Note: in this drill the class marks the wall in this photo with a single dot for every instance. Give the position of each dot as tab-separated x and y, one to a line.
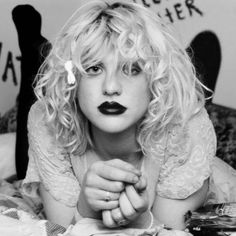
190	17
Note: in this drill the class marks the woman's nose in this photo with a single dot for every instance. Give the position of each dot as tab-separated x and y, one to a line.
112	85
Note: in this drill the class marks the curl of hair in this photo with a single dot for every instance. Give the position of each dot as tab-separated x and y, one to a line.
137	34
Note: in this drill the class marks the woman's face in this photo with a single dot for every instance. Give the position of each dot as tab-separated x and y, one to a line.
112	99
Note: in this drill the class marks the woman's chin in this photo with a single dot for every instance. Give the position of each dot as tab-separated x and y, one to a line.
113	127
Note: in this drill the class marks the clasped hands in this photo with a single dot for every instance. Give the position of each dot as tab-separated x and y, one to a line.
118	190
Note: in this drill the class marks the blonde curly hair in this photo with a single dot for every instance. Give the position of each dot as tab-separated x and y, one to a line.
136	33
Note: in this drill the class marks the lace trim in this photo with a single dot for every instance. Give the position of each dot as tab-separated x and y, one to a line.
189	155
48	165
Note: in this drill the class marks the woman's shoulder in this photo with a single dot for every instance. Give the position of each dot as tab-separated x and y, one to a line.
198	127
200	119
38	129
201	130
189	155
37	111
177	139
37	118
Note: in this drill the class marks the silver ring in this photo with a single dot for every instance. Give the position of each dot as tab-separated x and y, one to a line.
108	196
122	222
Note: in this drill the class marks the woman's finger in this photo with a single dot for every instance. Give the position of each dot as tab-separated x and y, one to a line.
141	185
118	217
107	219
114	173
123	165
102	195
126	207
98	205
138	201
95	181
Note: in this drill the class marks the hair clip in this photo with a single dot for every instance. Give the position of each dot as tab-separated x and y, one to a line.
70	77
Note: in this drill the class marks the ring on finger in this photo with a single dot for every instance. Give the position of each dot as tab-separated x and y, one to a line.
118	217
108	196
122	222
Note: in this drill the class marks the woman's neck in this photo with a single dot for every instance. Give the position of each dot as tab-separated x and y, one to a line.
121	145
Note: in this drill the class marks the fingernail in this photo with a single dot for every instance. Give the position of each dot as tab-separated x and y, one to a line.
135	179
138	172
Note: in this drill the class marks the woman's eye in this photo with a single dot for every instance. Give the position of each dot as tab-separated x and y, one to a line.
132	70
94	70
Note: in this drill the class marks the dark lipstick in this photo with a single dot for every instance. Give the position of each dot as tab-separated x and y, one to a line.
111	108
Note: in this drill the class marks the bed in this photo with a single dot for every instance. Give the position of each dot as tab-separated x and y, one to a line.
26	214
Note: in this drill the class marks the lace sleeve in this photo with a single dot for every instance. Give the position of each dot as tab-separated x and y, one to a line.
47	164
189	154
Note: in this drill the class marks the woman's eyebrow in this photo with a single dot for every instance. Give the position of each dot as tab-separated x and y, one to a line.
137	61
99	63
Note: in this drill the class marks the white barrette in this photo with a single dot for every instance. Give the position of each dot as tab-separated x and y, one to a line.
70	77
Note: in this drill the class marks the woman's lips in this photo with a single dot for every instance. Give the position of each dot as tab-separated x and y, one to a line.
111	108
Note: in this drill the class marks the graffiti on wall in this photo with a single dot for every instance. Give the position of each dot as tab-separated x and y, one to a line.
9	71
204	48
178	10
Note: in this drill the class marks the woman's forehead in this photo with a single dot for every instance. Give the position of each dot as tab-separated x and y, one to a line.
114	56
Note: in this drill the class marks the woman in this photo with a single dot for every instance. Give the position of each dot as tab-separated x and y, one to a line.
119	132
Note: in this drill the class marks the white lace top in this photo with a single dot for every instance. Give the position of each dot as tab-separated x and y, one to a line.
189	159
